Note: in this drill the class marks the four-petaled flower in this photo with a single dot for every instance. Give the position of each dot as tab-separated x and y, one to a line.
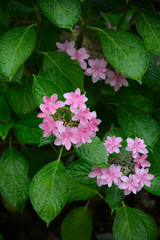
129	184
66	136
112	144
136	146
80	55
75	100
97	69
116	80
112	175
65	46
141	161
143	177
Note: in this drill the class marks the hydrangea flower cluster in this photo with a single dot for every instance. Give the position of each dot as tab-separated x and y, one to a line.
70	121
128	169
97	67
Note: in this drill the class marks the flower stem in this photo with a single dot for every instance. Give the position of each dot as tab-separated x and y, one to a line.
101	196
60	154
124	15
54	149
68	153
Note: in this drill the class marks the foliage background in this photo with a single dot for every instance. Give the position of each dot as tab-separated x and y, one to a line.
30	67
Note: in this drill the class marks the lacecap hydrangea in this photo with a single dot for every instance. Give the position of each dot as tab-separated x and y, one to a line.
70	121
128	168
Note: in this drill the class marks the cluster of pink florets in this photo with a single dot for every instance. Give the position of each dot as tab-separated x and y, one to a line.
97	68
129	170
70	121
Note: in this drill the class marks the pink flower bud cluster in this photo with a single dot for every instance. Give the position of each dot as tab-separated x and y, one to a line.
97	67
129	170
70	121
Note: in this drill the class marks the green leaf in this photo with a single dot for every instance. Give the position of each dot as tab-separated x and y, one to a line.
16	77
4	110
77	225
14	183
114	196
155	183
44	42
27	129
44	87
37	158
49	191
152	74
4	129
63	71
93	153
46	140
154	159
136	97
126	52
93	92
82	187
114	132
62	13
137	123
133	224
20	97
16	46
19	8
148	25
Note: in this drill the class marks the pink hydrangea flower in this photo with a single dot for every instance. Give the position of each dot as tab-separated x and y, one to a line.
75	100
80	55
98	172
83	115
112	144
50	104
141	161
129	184
97	69
45	111
143	177
136	146
49	125
82	135
116	80
92	124
66	137
112	175
158	61
65	46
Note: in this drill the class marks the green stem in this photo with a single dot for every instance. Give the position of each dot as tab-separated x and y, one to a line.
95	28
60	154
124	15
89	9
86	206
43	53
101	196
68	153
54	149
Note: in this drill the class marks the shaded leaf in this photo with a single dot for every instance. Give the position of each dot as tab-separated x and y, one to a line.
77	225
14	183
126	52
